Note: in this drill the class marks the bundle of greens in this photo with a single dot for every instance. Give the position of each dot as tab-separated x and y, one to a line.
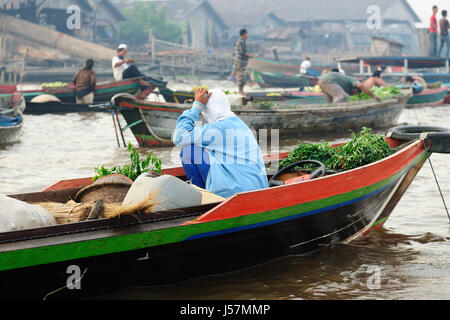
382	92
363	148
134	169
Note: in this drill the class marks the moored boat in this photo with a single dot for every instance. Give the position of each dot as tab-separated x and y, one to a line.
428	97
243	230
103	91
282	80
152	123
11	117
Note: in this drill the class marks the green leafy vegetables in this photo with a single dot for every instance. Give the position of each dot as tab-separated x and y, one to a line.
363	148
134	169
382	92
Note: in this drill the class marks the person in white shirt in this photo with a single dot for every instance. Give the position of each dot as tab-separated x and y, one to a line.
306	64
125	69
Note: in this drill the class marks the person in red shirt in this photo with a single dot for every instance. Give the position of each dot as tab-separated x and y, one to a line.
433	32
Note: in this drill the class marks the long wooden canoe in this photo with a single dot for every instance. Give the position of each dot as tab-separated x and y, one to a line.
153	123
103	91
165	247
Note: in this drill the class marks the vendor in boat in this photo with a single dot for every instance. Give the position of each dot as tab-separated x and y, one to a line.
337	87
85	81
222	155
305	65
417	83
125	69
375	80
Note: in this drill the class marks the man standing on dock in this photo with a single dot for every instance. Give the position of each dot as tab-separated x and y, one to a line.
433	32
241	57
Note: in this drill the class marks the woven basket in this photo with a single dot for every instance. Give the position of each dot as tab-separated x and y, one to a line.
111	189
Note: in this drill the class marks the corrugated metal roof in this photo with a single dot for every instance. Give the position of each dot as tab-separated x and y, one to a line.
282	33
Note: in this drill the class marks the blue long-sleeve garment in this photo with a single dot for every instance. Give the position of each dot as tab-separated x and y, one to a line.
236	163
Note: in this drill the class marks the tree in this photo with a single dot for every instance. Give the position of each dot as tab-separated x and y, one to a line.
142	17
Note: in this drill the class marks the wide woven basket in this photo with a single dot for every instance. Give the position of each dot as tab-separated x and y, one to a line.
111	189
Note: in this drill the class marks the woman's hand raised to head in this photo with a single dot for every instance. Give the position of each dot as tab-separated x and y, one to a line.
202	96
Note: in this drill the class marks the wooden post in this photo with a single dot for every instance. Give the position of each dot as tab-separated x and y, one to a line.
150	34
361	66
23	64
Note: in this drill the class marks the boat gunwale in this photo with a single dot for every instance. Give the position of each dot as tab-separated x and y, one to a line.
323	108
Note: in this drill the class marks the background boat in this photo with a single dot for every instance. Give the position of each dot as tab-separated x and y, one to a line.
282	80
11	117
153	123
428	97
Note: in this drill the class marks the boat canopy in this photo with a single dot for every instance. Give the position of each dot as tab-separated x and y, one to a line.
405	62
413	62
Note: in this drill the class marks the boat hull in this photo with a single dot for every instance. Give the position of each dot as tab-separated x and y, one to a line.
10	134
59	108
428	97
247	228
158	120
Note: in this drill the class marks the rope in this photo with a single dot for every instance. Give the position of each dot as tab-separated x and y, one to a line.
66	286
435	178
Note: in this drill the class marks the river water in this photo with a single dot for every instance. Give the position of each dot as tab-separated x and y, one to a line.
409	258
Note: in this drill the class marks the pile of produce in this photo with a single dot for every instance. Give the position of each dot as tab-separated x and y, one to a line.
133	169
382	92
315	89
363	148
56	84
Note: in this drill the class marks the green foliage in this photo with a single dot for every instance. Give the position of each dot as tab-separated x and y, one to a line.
382	92
142	17
133	169
363	148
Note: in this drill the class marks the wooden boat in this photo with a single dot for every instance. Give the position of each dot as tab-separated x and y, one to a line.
188	96
11	117
282	80
152	123
428	97
245	229
103	91
420	64
447	97
265	65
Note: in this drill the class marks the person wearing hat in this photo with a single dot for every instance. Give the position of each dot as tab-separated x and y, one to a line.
125	69
221	156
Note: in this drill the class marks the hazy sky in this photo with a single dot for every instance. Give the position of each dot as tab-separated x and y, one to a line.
423	8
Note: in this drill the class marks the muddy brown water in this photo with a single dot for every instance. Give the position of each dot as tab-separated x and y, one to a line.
409	258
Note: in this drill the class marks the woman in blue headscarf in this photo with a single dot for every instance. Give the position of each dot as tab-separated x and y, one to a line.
222	155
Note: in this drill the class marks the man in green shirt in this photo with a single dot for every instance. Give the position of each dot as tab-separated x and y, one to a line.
337	87
241	57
